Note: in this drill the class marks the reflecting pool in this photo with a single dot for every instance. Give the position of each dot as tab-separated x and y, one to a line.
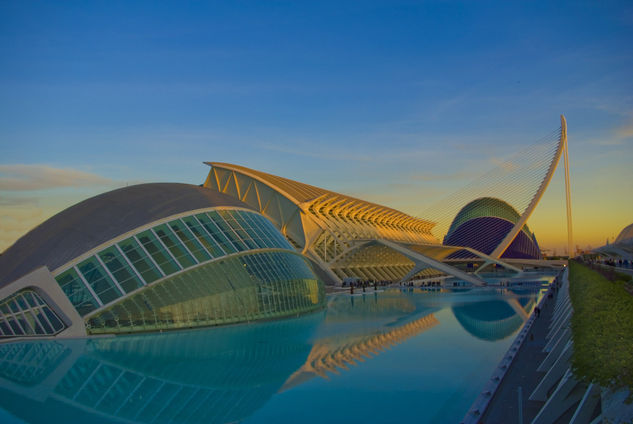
396	355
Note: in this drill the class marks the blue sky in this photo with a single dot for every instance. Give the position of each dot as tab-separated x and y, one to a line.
395	102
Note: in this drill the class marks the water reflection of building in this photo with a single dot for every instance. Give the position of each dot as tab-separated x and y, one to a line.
210	376
218	375
333	354
495	319
359	327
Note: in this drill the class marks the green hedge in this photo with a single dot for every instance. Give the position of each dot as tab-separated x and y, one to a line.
602	328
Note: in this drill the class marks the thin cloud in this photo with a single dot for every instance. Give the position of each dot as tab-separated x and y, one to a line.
347	154
307	152
625	131
506	165
13	201
431	177
20	177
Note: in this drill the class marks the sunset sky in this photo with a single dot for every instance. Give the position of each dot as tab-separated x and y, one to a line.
398	103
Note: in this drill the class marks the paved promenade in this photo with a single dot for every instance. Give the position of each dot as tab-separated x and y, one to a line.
504	406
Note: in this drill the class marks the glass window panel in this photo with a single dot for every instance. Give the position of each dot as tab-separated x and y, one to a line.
13	306
76	291
257	230
203	237
35	323
22	302
217	233
120	269
161	257
40	317
139	260
239	217
4	328
262	224
189	240
27	322
15	327
100	282
275	235
174	245
227	231
52	317
31	298
237	229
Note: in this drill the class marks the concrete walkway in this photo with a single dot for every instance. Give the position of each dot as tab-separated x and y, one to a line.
504	406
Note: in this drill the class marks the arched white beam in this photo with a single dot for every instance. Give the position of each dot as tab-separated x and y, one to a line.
516	306
549	263
489	259
421	262
610	249
509	238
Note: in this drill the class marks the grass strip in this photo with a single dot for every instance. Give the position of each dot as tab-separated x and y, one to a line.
602	329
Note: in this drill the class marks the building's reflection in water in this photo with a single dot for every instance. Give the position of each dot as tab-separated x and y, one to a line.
205	376
331	355
225	374
499	318
359	327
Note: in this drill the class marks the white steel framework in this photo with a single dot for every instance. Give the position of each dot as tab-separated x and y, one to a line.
345	236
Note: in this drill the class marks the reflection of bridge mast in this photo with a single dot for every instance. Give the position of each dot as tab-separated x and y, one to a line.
330	354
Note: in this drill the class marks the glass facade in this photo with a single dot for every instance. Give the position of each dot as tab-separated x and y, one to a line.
164	250
25	314
245	287
241	288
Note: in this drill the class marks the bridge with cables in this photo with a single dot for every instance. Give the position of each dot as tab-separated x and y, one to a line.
346	237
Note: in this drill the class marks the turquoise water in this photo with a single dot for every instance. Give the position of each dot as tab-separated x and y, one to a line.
388	356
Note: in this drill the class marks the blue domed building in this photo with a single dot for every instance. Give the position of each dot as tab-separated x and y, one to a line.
483	223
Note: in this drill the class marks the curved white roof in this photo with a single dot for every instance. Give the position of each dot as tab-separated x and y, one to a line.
94	221
626	235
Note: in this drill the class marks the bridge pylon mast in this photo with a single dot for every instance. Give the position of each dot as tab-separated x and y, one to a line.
570	237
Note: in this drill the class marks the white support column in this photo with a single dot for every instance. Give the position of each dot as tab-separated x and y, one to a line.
587	405
553	375
556	332
555	352
570	238
568	392
560	309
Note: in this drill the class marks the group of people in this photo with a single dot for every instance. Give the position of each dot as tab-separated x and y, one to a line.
621	263
364	284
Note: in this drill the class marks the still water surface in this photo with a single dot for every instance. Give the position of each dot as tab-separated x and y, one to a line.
398	355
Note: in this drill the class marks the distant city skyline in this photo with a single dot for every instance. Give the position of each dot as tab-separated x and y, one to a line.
399	103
